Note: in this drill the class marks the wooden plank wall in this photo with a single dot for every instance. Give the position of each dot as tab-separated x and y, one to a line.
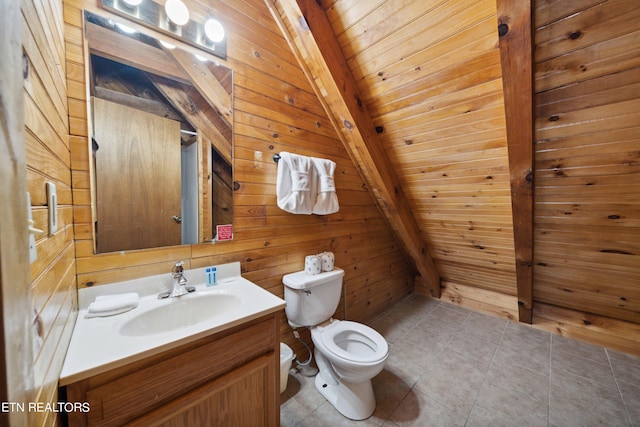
274	110
587	140
53	275
429	73
16	313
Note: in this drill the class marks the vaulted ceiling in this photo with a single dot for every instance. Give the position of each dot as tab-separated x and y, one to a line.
433	101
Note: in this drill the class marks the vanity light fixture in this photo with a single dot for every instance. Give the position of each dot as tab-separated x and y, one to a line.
173	19
177	12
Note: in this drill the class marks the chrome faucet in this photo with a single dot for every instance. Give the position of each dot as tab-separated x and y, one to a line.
179	284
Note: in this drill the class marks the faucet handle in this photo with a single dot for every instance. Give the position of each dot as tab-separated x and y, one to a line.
178	268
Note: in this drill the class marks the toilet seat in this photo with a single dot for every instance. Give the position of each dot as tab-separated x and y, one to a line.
341	334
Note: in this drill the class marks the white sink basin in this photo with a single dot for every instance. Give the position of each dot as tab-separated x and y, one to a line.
180	312
100	344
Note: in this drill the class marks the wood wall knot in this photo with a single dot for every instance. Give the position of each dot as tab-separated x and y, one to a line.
236	186
379	129
347	124
575	35
503	29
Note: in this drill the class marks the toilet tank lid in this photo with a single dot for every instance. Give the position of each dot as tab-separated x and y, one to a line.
300	280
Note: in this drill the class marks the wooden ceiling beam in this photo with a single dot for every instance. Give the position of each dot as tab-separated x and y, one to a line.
206	83
194	114
515	32
109	44
307	30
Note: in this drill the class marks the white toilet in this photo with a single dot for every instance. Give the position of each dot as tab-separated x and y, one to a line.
348	354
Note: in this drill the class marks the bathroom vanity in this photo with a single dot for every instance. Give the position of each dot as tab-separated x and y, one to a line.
221	370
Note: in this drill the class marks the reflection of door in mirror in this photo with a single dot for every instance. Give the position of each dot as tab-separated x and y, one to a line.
138	189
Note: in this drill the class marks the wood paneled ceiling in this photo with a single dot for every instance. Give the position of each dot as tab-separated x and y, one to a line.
418	91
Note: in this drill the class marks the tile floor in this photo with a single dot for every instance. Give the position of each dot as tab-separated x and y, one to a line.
455	367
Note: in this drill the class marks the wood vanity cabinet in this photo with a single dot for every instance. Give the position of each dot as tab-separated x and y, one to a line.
230	378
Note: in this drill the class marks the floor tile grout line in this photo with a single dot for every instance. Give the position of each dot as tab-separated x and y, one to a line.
438	355
615	378
484	378
411	389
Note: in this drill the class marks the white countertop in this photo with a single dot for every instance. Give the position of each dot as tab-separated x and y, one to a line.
97	345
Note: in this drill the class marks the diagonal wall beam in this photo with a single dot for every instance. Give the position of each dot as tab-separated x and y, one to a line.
309	34
515	34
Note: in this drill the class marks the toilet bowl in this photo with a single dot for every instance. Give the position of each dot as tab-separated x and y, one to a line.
356	352
348	355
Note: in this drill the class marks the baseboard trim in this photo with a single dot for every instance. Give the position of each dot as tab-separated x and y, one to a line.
619	335
482	300
595	329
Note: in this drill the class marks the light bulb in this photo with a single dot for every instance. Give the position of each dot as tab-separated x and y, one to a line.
214	30
177	11
133	3
125	28
200	58
167	45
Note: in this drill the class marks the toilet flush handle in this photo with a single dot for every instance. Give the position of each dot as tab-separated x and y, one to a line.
306	292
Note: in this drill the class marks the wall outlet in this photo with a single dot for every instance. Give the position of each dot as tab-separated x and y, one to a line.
52	202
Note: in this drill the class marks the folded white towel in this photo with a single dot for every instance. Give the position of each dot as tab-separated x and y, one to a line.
109	305
327	200
296	185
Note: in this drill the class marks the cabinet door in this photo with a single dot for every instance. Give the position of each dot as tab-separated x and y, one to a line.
243	397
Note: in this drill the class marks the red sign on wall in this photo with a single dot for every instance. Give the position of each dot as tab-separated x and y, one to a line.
224	232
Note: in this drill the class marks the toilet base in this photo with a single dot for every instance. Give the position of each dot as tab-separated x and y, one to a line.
354	401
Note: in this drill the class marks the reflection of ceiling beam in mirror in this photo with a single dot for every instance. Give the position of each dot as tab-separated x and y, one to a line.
193	113
205	82
175	64
143	104
109	44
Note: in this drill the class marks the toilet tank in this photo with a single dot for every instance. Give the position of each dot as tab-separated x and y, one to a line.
312	299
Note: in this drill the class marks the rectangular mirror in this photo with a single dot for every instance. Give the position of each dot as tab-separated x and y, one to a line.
162	141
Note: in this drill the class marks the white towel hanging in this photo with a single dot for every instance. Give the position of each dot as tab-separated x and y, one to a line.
296	184
327	200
